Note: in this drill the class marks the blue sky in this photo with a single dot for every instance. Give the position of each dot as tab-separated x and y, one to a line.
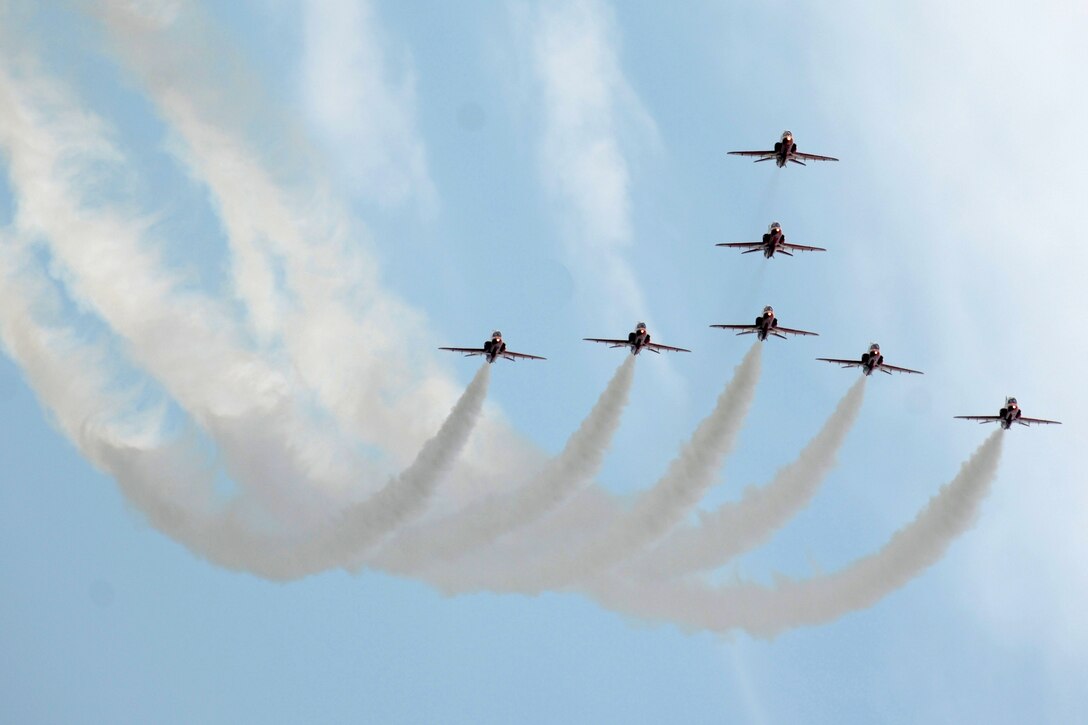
558	171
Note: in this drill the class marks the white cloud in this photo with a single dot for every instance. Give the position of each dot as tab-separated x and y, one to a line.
361	96
587	105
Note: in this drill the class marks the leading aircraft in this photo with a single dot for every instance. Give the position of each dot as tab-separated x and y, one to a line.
871	361
1008	415
637	340
766	324
493	349
784	151
773	241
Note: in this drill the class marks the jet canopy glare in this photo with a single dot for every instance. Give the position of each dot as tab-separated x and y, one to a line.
774	225
768	308
640	326
786	134
496	333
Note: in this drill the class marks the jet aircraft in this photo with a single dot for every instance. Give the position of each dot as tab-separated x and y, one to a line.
766	324
784	151
871	361
493	349
637	340
1008	415
773	241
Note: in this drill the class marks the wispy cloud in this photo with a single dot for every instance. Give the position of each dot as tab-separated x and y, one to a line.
360	93
587	107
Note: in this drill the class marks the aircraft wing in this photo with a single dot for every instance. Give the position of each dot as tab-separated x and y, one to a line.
801	248
764	155
790	331
1037	421
658	347
812	157
844	363
980	418
608	341
892	368
509	355
744	329
750	246
468	351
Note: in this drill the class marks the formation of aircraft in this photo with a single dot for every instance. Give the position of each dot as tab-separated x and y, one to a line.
870	361
1008	415
773	241
493	349
636	341
785	150
766	324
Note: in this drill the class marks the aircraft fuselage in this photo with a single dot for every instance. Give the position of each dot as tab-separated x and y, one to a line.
783	149
638	339
765	323
493	348
1008	416
772	242
871	361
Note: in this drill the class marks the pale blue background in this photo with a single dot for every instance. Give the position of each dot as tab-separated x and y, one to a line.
958	133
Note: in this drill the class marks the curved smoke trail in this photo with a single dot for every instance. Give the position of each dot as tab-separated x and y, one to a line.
737	527
480	523
232	542
172	483
654	512
767	611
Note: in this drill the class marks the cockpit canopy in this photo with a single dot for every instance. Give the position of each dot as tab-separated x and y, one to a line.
769	309
640	327
874	346
786	135
1010	401
496	334
775	226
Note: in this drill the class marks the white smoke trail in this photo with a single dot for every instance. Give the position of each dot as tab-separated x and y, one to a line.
735	528
481	522
336	323
185	340
171	482
654	512
350	533
229	540
767	611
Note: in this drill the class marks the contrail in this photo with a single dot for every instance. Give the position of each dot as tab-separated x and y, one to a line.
484	521
655	511
363	524
171	482
333	320
269	437
737	527
232	540
768	611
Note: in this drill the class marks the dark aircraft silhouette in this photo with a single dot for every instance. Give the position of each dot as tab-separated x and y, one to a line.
637	341
766	324
784	150
492	349
871	361
1008	415
773	241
